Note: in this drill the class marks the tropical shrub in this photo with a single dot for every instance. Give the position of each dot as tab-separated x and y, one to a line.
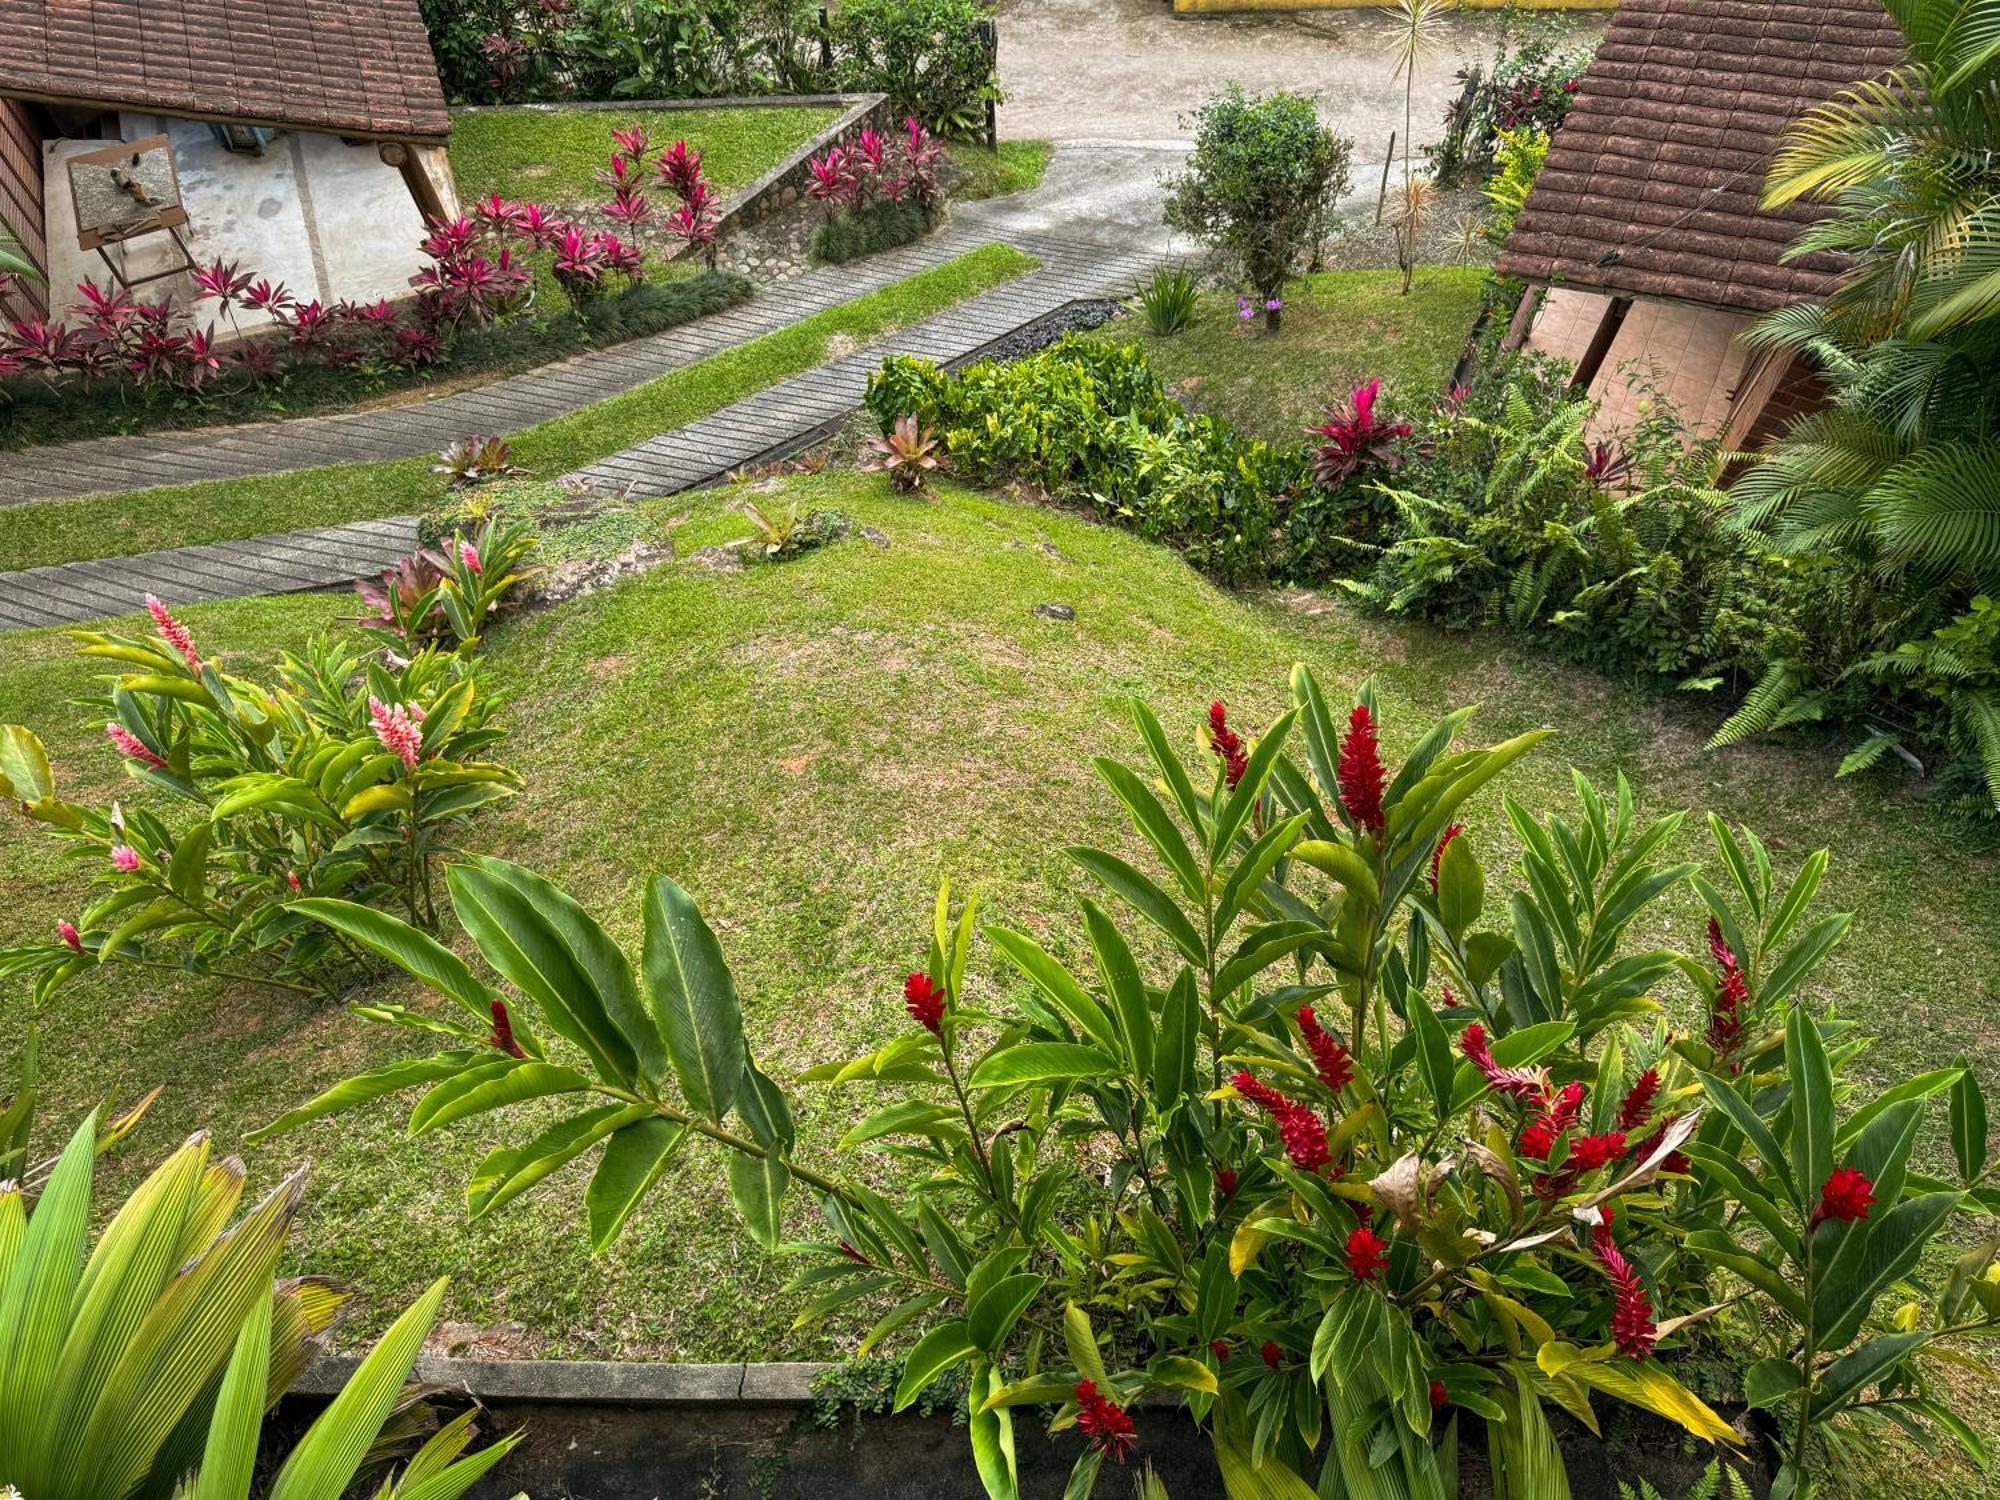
1517	162
1091	423
933	58
1530	85
1333	1144
1259	186
905	453
873	199
147	1368
342	776
1898	477
451	589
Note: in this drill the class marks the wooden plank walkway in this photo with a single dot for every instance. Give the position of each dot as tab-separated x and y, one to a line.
788	416
116	465
289	562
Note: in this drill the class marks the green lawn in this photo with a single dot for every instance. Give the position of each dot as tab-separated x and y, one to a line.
59	531
810	748
1014	167
1339	328
551	156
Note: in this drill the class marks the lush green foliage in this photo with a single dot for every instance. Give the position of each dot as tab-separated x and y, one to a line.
1517	162
1259	186
880	226
1089	422
1426	1233
1529	86
1901	475
343	776
146	1369
931	57
1168	298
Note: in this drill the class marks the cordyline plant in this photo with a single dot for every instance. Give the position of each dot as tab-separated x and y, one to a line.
1361	1158
342	776
848	177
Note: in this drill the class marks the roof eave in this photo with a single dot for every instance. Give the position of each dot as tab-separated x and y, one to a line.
365	132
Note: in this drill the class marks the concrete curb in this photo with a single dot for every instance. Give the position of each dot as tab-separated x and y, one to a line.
589	1382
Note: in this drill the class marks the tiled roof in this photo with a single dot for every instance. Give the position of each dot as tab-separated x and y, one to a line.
1651	185
351	67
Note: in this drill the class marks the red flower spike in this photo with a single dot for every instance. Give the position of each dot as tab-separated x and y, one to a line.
1632	1310
1847	1196
1330	1059
1302	1132
1220	1349
131	746
1525	1084
1360	773
1559	1112
1106	1426
1227	745
1271	1354
1367	1254
1437	854
1225	1183
503	1031
1437	1395
925	1002
72	940
1638	1105
1594	1151
1725	957
1726	1020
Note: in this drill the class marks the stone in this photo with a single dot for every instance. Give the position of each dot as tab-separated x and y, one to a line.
727	558
586	575
874	538
1055	611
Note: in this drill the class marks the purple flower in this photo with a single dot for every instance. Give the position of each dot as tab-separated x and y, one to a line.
1272	304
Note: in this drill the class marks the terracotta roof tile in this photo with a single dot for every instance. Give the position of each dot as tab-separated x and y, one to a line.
1660	164
353	67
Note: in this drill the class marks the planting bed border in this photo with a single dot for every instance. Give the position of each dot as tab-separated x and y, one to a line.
781	185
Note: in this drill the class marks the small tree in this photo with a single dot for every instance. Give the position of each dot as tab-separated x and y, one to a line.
1262	177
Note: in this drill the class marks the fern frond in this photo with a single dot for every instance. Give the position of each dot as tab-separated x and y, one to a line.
1774	691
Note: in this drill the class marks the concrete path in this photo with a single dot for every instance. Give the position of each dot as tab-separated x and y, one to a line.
791	414
117	465
282	564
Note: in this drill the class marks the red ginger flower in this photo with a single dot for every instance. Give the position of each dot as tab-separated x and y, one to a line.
1594	1151
1367	1253
1271	1354
1302	1132
1106	1426
1227	745
1437	1395
1360	772
1726	1019
503	1031
174	633
1559	1112
124	859
1225	1183
131	746
1330	1059
1220	1349
1673	1161
925	1002
1847	1196
1437	854
1632	1326
72	940
1450	1000
1638	1105
1525	1084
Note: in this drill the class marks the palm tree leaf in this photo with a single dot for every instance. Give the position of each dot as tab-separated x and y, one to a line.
230	1457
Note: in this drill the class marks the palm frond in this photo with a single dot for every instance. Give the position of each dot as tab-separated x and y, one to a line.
1939	510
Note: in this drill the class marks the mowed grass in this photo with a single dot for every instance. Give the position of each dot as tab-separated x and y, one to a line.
552	156
810	748
60	531
1011	167
1338	329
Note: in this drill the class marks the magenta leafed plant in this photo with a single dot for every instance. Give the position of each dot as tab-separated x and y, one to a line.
906	454
1356	436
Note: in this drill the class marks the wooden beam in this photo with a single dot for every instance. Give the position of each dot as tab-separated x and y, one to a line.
1600	343
407	160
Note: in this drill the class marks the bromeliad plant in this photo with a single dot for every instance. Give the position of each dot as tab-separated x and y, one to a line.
1332	1144
342	776
146	1367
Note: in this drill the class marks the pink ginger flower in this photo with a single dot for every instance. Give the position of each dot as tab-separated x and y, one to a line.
469	555
398	728
72	939
131	746
174	633
124	858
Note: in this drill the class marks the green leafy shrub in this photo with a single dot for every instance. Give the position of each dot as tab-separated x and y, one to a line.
450	589
880	226
1091	423
1517	162
1259	186
148	1368
342	776
1530	85
931	57
1168	299
1336	1142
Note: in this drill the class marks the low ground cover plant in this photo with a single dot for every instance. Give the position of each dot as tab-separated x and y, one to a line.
1368	1146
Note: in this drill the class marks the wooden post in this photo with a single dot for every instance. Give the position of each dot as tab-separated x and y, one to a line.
825	40
1600	344
404	158
1382	197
